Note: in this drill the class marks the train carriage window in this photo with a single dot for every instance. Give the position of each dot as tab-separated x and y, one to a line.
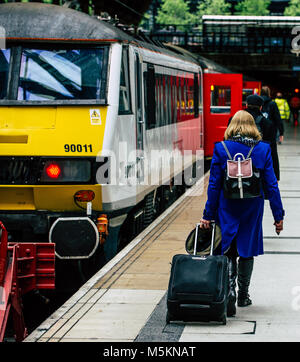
164	101
169	98
200	82
149	94
159	121
157	101
173	99
178	86
124	99
220	99
183	98
196	95
4	69
169	103
61	74
190	97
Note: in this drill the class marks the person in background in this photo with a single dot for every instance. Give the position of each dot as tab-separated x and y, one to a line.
284	110
271	111
240	220
266	128
295	106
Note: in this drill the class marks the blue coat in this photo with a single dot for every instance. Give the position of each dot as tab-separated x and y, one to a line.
242	218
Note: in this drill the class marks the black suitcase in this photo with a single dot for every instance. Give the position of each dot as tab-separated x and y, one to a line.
198	286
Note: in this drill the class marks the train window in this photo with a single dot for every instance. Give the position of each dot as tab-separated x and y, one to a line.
196	95
183	97
190	96
169	102
200	91
4	68
149	93
169	98
172	99
160	100
165	120
178	87
220	100
159	119
61	74
157	101
186	98
124	99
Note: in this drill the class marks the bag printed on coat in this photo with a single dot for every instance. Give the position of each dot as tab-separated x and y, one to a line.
242	179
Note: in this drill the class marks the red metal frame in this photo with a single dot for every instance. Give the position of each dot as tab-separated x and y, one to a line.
215	124
255	85
23	267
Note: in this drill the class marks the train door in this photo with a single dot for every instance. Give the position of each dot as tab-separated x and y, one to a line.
139	117
222	99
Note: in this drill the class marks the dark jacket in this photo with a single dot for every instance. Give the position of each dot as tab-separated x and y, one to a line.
268	133
265	126
274	115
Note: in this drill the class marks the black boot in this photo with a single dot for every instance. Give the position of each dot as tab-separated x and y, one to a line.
231	308
244	275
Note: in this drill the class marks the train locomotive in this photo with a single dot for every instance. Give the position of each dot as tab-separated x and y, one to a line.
89	114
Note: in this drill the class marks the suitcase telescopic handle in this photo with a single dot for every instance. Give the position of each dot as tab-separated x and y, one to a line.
212	237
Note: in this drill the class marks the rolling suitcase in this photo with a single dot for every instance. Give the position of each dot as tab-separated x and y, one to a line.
198	286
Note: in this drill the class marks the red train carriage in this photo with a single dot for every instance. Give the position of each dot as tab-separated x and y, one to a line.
250	87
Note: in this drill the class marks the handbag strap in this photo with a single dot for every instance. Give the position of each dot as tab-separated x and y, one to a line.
251	149
226	149
228	153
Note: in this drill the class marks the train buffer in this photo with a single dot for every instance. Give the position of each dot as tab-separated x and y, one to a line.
23	267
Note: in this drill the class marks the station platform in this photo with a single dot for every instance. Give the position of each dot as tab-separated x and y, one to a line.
126	300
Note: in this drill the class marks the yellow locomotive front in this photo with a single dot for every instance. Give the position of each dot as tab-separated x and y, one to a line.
52	123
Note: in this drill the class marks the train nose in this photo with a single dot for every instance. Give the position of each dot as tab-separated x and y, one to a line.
74	237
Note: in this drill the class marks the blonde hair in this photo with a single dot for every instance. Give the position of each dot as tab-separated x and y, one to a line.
242	124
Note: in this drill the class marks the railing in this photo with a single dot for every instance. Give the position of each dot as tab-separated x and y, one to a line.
191	40
23	267
227	38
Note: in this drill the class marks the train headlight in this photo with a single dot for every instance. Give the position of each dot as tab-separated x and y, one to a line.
66	171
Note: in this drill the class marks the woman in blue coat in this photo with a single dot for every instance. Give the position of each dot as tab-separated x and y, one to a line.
240	220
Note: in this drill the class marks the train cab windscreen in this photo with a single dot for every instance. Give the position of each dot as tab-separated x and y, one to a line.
60	74
4	69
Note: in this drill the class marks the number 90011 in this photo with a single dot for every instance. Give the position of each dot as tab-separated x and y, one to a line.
78	148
